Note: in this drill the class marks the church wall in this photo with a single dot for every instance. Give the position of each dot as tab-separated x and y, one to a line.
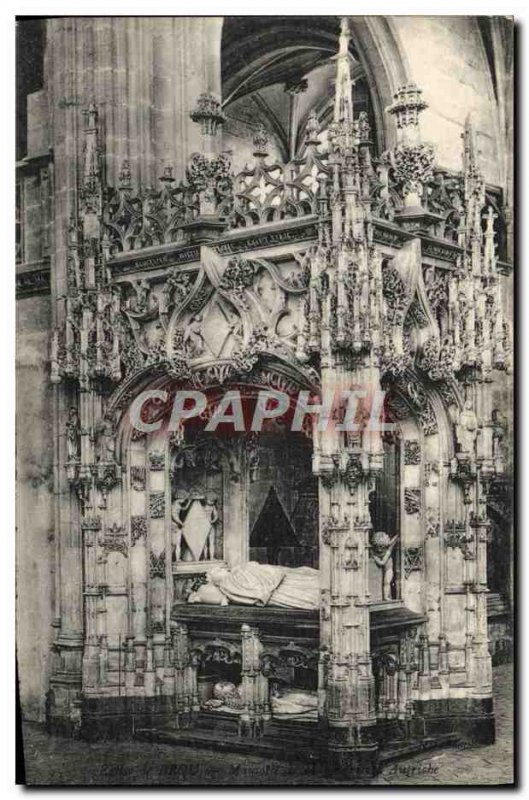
446	58
146	73
34	504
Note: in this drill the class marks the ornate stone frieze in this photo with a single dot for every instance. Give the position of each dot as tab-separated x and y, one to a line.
289	656
217	651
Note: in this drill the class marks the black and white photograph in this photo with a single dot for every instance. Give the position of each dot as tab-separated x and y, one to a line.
265	391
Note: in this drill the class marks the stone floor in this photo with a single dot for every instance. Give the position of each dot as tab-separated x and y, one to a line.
52	760
491	765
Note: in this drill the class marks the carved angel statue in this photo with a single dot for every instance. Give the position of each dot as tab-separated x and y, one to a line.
467	428
180	503
382	547
193	340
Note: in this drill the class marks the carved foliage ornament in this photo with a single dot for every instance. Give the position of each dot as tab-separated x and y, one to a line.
412	166
395	293
156	462
209	175
432	523
413	560
456	537
138	478
412	501
138	528
412	452
157	505
238	275
115	538
157	565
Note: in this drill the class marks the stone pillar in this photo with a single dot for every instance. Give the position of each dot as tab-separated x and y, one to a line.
157	551
138	551
345	481
90	529
254	684
65	682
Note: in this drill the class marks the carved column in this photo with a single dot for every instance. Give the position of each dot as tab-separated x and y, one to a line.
254	684
138	550
157	521
90	528
186	692
345	274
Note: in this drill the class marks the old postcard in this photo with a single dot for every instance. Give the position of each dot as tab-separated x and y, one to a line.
264	279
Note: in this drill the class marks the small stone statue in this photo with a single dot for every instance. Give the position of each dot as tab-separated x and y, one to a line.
157	345
181	503
382	549
193	340
141	302
107	444
498	435
467	429
73	435
213	514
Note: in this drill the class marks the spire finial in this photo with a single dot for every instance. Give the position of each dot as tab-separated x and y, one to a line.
343	101
345	35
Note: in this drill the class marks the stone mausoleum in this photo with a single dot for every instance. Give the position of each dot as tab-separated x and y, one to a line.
291	204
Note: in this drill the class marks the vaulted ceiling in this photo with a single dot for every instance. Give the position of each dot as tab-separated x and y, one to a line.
276	70
260	51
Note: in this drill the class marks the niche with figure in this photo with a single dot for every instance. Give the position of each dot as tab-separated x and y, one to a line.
384	509
199	473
